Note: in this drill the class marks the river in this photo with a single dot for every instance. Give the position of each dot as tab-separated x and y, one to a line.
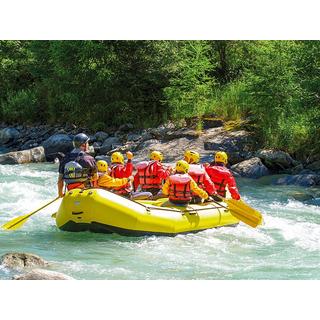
286	247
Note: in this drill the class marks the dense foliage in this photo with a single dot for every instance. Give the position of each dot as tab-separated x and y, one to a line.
273	85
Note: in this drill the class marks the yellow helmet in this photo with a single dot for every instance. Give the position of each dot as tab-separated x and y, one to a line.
182	166
156	155
221	156
102	166
117	157
191	156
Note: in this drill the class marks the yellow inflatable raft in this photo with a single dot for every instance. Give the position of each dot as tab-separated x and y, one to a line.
98	210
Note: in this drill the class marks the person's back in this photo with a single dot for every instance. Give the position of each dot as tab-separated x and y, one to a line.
77	169
180	186
119	170
151	174
198	174
222	177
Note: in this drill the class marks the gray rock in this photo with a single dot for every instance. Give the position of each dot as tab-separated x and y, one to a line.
25	156
29	144
237	144
133	137
276	160
180	133
40	274
302	196
18	260
305	180
109	144
101	136
8	135
252	168
57	143
145	135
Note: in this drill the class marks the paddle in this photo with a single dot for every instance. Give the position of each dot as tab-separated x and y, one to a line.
243	212
18	222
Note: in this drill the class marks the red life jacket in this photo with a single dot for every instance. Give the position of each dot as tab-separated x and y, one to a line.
179	189
116	173
197	173
148	177
220	176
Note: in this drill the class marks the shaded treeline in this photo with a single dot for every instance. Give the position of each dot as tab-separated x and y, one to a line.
273	85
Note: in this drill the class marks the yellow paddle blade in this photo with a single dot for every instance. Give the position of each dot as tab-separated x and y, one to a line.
16	223
244	212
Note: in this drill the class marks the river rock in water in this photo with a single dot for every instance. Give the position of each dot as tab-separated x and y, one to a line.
18	260
276	159
252	168
109	144
40	274
305	180
25	156
57	143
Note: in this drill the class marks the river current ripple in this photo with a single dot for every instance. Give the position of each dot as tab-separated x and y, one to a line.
286	247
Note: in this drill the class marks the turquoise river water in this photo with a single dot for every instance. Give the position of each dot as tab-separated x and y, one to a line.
286	247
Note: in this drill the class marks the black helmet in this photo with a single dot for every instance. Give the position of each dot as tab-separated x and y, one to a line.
80	139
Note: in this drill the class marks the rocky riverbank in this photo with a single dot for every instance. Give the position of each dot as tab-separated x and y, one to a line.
246	158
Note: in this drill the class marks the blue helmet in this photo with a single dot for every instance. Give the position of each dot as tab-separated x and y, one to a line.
80	139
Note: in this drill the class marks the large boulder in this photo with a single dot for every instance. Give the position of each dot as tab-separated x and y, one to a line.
25	156
101	136
237	144
18	260
8	135
252	168
40	274
305	180
109	144
276	160
57	143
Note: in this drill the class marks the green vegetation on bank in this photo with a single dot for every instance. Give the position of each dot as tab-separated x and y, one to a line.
273	85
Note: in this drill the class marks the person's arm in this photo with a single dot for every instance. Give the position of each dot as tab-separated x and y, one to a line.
194	187
232	186
108	182
128	169
209	185
60	186
165	187
136	181
162	172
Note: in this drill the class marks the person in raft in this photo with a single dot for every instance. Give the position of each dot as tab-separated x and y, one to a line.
105	181
150	175
222	177
180	186
199	175
77	169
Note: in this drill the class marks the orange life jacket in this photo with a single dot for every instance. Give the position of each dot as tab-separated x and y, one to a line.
179	189
75	185
148	177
